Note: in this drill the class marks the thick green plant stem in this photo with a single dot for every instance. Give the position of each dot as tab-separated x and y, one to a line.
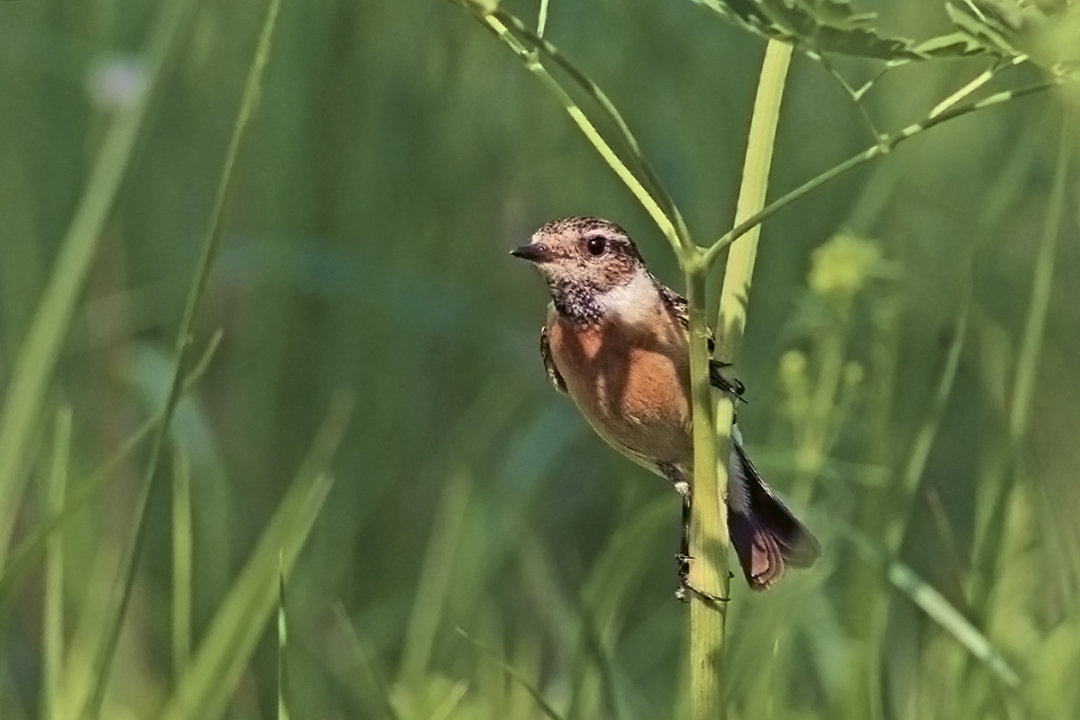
708	527
731	315
712	424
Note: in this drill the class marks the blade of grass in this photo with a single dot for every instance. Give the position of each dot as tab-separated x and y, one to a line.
219	662
374	689
541	18
436	578
933	603
84	635
210	249
282	639
528	657
215	670
544	706
450	702
604	603
945	614
183	588
994	494
31	549
36	357
924	437
53	630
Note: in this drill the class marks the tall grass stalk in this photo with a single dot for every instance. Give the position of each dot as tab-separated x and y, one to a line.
712	422
436	578
210	249
37	355
53	625
641	180
993	497
30	550
282	640
225	651
182	543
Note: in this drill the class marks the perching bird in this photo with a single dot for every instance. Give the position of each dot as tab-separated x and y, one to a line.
616	340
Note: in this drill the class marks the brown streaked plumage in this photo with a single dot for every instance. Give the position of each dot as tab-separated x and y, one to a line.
616	341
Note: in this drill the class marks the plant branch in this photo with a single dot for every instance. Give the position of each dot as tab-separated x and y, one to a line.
541	19
977	82
614	116
884	147
855	95
656	203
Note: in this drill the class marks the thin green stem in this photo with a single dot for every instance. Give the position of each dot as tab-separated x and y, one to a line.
924	438
26	555
647	188
887	144
855	95
210	250
994	494
282	640
656	188
588	129
37	355
53	621
182	555
541	19
1042	281
977	82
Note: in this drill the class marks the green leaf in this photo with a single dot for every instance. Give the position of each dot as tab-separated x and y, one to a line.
214	672
933	603
1049	35
832	26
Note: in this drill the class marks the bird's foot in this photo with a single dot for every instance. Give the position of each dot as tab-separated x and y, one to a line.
686	588
716	377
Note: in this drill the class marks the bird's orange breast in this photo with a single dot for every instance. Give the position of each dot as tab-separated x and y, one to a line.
630	382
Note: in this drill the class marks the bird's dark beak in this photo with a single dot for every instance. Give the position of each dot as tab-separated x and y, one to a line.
533	252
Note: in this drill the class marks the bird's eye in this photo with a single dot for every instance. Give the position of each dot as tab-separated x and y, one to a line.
597	246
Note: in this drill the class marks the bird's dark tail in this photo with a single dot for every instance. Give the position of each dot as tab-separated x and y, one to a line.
766	535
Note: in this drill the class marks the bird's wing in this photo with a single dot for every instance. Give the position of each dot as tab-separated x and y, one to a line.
549	364
679	306
681	310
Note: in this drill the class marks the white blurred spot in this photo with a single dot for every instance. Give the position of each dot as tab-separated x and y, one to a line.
116	82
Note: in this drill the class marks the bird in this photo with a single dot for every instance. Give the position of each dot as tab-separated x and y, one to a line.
616	340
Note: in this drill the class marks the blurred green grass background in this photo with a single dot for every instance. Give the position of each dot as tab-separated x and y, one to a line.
398	153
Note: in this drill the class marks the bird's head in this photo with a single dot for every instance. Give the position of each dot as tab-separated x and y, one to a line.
591	267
